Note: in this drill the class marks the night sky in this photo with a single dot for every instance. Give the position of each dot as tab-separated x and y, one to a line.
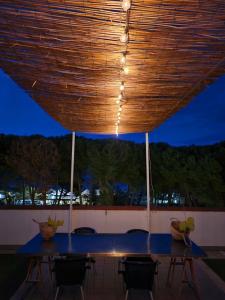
201	122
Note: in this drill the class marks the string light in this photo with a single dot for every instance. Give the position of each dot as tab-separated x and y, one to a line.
123	59
117	128
124	38
126	70
122	86
126	5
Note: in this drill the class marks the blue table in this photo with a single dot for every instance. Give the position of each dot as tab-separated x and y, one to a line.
135	244
110	245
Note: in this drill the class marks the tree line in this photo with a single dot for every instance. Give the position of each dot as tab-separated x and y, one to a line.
30	166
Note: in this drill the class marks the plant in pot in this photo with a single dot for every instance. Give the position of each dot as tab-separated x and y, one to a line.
180	230
48	229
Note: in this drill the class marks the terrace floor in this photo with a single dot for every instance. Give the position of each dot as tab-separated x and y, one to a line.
106	283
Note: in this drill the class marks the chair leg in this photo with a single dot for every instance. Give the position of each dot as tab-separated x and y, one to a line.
57	293
82	292
30	269
50	266
168	282
39	271
151	295
94	268
126	296
173	270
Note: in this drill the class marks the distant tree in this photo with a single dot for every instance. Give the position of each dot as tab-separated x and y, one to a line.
10	182
165	171
36	160
64	147
103	161
62	184
132	170
117	168
191	172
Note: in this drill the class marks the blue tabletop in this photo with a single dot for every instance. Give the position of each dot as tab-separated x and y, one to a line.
110	244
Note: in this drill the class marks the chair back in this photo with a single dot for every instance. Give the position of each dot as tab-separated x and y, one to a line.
84	230
70	271
147	259
139	274
137	230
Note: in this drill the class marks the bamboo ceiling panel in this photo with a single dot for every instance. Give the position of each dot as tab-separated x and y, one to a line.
66	55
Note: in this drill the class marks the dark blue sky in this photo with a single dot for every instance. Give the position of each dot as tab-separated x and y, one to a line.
201	122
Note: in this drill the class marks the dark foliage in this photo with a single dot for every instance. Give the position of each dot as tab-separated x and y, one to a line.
115	167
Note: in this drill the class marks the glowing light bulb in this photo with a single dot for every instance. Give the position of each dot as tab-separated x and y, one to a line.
126	70
124	37
122	86
117	101
120	109
123	59
126	5
120	97
118	114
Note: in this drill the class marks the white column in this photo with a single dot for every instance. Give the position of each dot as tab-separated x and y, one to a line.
147	180
71	183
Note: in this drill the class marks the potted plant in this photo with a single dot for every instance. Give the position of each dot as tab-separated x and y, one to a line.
48	229
180	230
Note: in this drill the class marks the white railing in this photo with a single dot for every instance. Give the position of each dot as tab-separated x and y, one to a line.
17	226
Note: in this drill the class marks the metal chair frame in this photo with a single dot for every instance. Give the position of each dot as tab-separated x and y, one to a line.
87	231
84	230
123	259
145	265
81	279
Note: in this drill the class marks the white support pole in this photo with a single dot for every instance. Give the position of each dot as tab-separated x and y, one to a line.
71	183
147	180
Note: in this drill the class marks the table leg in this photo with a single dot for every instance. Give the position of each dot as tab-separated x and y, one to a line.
168	281
193	277
190	263
33	262
34	274
171	271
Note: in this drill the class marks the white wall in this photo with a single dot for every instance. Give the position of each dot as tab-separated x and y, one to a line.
110	221
17	227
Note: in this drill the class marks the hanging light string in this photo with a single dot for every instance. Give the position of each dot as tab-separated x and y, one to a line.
124	39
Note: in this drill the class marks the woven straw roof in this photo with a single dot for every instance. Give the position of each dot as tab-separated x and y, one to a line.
66	55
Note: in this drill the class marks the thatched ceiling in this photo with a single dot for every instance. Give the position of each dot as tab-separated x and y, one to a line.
66	55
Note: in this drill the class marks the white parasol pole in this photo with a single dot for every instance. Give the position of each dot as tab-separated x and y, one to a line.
147	181
71	183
